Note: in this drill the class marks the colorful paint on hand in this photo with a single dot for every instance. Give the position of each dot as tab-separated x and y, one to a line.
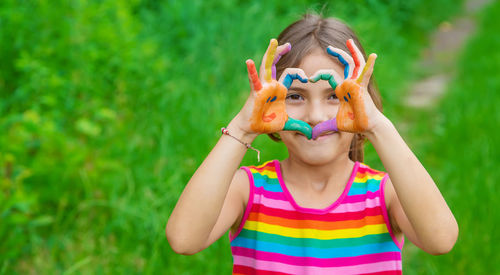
323	127
269	110
352	116
299	126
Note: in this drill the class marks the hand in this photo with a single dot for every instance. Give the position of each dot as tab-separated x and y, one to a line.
267	97
357	112
264	110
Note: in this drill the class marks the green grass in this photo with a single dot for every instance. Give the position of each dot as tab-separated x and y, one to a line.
107	108
458	141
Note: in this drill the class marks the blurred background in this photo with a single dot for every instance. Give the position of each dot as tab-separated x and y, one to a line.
108	107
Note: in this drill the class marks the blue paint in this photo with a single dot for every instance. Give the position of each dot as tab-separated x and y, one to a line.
345	98
268	99
341	59
349	95
289	78
274	98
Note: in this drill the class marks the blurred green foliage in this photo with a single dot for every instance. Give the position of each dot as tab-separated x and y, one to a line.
460	141
107	108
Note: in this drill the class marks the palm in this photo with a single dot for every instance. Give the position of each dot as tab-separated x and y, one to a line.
269	112
351	116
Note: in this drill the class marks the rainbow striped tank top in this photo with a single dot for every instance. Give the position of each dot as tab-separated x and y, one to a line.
351	236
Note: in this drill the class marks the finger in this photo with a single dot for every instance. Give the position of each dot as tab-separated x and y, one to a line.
281	50
268	60
357	56
255	84
299	126
291	74
325	126
366	74
344	58
330	75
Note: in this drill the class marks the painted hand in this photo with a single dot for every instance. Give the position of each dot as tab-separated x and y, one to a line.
269	109
356	107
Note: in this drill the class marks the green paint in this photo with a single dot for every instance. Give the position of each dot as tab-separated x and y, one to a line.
299	126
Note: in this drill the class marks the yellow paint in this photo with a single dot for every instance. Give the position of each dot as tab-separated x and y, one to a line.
271	51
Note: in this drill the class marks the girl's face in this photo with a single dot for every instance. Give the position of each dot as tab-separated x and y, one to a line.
314	103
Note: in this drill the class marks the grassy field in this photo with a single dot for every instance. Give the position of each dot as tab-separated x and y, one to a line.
107	107
459	143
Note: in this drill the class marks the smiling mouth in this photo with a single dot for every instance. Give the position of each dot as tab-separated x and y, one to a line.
322	136
268	118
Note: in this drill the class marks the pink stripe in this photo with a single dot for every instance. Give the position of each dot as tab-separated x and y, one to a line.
362	197
259	208
272	203
248	208
358	206
268	194
343	208
294	269
319	262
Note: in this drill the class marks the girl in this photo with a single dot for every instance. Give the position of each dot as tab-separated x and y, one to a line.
320	211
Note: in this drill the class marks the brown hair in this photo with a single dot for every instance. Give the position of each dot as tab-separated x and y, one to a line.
314	32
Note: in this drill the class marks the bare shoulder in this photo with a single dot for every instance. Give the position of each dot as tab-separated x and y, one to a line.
240	189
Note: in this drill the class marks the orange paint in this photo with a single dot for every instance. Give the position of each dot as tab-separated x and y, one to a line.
351	116
269	116
354	57
253	76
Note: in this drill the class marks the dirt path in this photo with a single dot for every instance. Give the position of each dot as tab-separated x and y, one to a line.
438	60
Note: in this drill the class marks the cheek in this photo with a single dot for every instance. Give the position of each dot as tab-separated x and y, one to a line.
333	109
296	111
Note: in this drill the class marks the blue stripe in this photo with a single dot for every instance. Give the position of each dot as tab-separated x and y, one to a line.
359	188
322	253
260	182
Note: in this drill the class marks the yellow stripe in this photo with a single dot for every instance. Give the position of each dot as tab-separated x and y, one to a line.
367	177
270	174
316	233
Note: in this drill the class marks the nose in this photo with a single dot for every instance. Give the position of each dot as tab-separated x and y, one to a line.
317	112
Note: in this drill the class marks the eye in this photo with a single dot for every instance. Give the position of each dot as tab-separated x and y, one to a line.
294	97
333	97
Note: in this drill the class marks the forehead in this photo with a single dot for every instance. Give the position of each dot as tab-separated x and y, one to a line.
313	62
320	60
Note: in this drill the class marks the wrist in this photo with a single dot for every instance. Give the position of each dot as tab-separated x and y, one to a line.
239	133
382	126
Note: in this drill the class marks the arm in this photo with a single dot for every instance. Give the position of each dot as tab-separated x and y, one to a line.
212	201
417	207
214	198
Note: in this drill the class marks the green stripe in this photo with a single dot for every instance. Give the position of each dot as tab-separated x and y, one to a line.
306	242
266	178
